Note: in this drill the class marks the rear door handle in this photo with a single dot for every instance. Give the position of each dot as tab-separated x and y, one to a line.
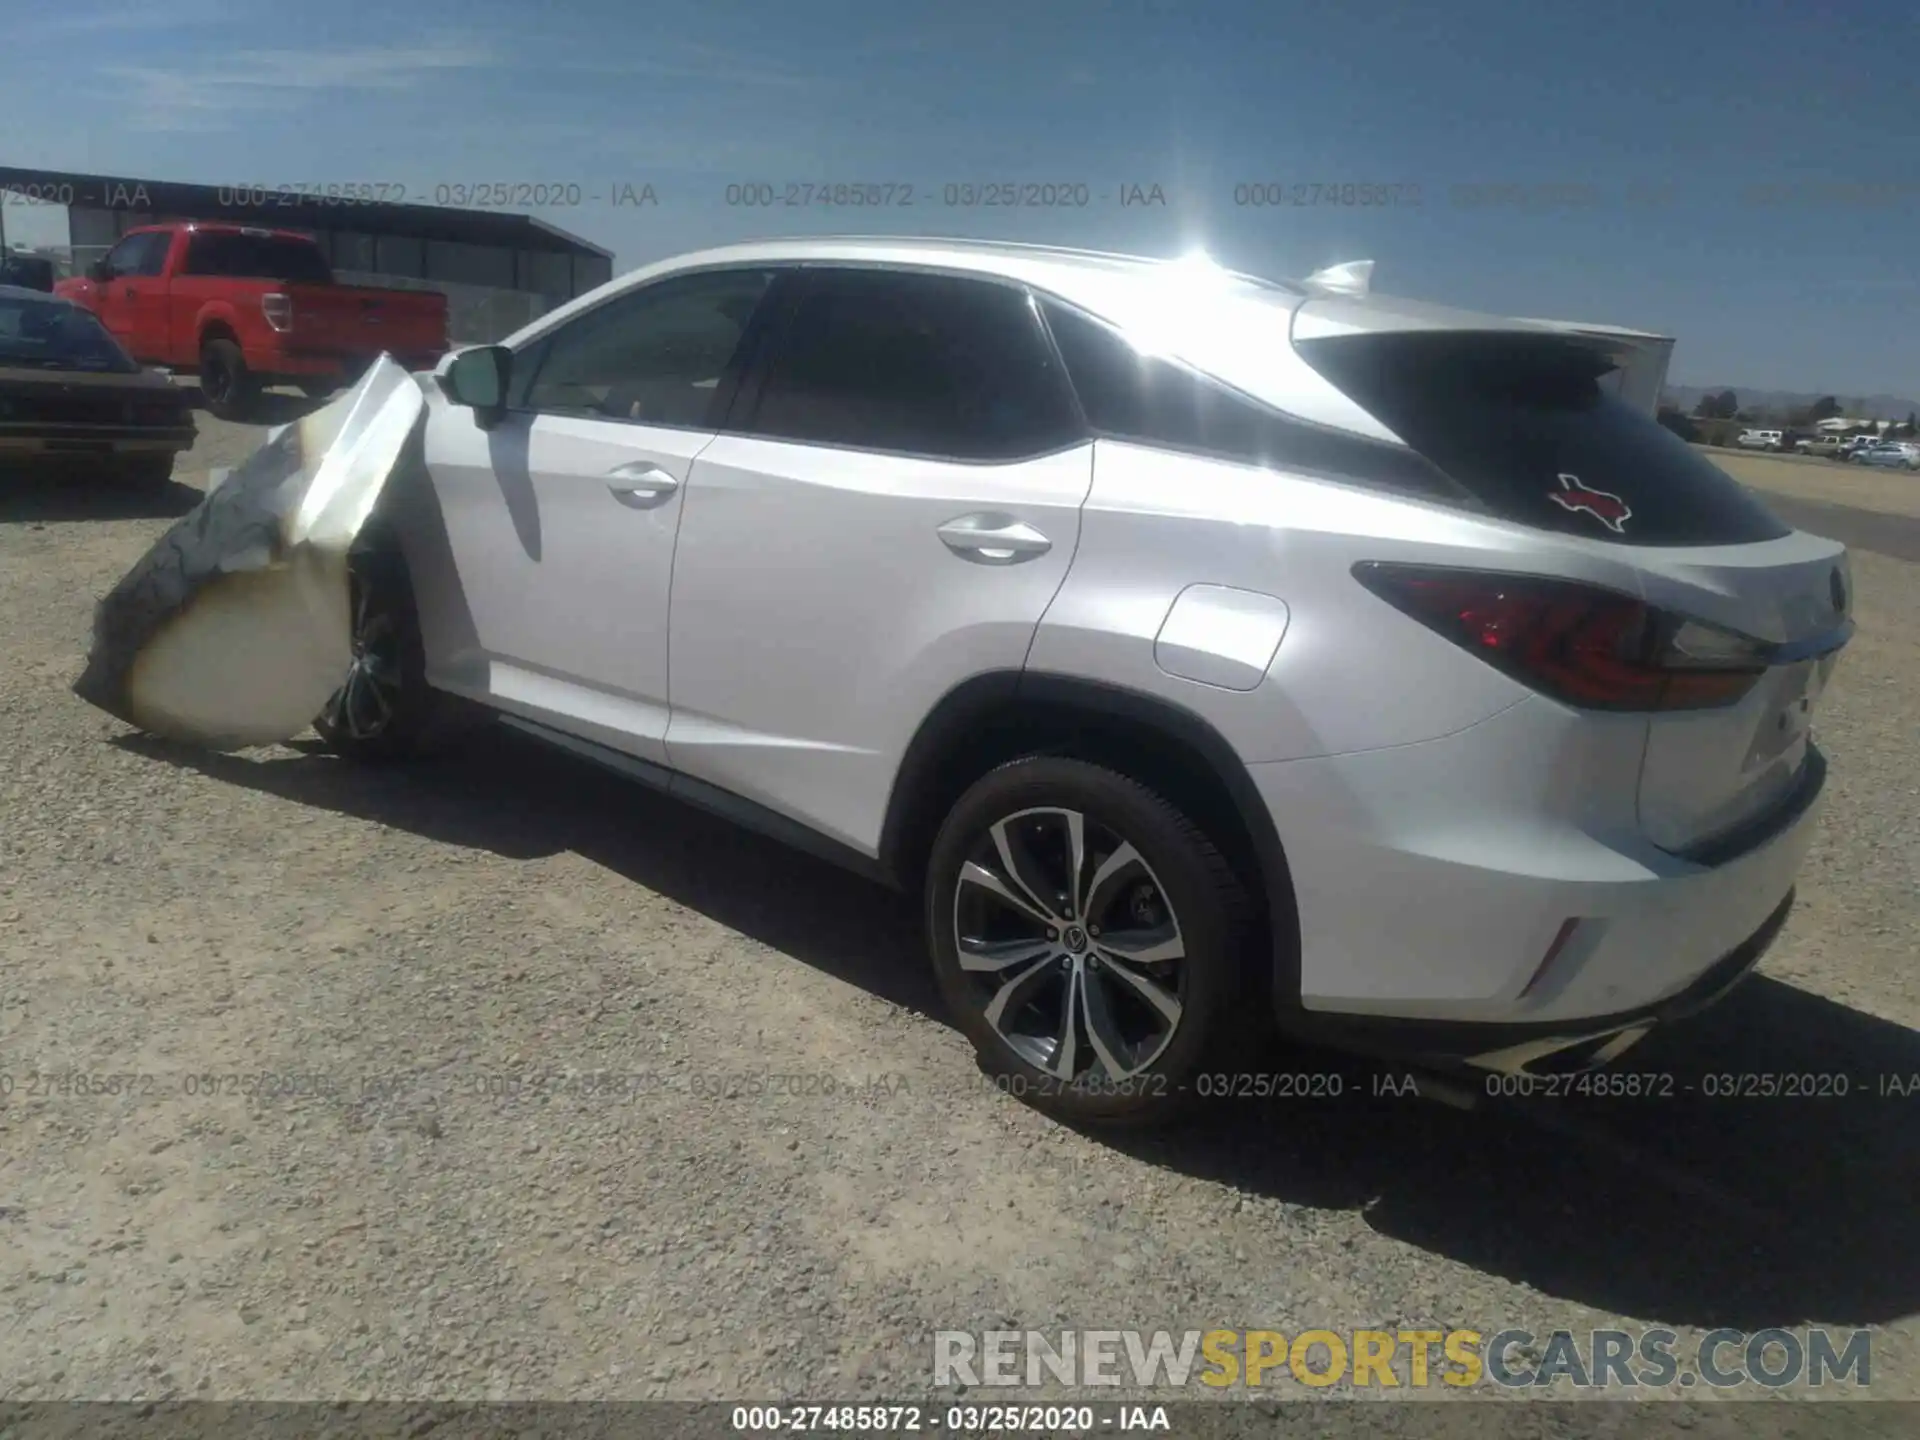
640	486
992	539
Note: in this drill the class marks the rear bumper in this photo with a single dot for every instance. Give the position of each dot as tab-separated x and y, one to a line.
272	363
1519	1047
78	445
1434	885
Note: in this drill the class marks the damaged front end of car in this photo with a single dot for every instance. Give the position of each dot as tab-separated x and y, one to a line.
234	629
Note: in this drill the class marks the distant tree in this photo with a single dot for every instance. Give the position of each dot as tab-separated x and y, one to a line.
1728	406
1825	408
1671	417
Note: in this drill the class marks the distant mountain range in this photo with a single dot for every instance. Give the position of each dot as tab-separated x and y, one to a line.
1875	407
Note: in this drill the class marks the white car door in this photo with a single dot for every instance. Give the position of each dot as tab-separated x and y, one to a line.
893	508
561	518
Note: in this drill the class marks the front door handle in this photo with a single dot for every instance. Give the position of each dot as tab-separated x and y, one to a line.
992	539
640	486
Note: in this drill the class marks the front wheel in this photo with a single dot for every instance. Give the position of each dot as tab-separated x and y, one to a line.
1089	939
383	710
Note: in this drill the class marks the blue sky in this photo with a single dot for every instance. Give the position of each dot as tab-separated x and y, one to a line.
1645	130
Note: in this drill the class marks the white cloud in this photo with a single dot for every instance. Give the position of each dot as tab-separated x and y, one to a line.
199	98
679	60
122	19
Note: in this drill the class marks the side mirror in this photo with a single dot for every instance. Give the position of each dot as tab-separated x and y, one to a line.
99	270
477	378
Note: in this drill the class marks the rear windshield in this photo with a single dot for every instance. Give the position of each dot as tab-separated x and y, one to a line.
53	335
257	257
1527	424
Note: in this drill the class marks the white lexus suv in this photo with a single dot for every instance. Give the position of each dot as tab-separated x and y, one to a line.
1223	660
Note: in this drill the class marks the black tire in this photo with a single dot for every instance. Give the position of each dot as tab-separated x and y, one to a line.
385	712
1184	894
231	390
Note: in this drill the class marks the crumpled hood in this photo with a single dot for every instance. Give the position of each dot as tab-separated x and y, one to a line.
233	629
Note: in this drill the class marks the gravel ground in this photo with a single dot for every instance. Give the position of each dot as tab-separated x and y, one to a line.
441	1223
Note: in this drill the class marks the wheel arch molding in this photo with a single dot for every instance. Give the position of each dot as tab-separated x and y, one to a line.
1002	715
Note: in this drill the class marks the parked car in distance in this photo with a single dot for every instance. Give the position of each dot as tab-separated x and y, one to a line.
1892	454
27	272
1831	447
72	401
1390	680
247	308
1775	440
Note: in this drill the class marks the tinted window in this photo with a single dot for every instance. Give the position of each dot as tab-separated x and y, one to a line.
923	364
140	254
1525	424
256	257
655	355
1154	402
30	272
57	336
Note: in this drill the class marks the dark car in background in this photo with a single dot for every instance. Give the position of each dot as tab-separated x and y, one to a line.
73	402
28	272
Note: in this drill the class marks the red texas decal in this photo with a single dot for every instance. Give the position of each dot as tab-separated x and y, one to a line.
1610	510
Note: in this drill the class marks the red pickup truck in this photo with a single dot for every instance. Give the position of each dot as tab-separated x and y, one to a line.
248	308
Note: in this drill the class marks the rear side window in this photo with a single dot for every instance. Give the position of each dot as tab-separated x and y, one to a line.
1527	425
919	364
256	257
1129	396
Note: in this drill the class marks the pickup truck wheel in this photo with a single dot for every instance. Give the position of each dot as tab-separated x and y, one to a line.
384	710
229	386
1090	941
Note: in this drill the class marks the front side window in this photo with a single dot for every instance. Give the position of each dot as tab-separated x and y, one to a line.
655	355
919	364
139	255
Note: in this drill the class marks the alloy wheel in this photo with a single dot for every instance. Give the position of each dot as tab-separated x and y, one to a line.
365	703
1077	958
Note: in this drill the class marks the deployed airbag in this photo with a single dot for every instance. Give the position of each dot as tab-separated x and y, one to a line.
233	629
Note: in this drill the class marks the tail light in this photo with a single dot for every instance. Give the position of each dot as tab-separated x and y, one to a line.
279	311
1592	648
